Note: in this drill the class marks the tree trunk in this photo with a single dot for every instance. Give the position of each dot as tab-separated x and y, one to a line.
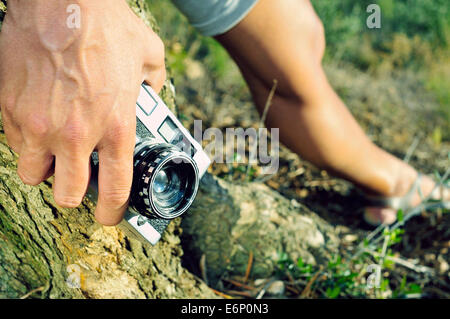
45	249
229	221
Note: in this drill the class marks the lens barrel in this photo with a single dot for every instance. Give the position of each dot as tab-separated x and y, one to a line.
165	181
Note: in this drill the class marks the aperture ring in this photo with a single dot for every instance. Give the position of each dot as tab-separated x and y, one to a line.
148	161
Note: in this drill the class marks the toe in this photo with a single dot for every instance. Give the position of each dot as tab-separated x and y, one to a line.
377	216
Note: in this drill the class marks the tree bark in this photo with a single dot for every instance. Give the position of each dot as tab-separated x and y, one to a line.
42	245
229	221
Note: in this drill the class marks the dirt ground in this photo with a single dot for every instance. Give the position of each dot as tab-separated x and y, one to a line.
397	114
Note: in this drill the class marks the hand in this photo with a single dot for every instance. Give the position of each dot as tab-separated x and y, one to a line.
65	92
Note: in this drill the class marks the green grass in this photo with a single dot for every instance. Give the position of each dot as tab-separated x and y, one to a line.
345	26
348	277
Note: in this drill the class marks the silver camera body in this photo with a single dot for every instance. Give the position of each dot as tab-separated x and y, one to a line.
168	166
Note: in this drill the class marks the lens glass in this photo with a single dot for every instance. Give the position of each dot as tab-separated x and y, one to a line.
161	182
167	187
173	187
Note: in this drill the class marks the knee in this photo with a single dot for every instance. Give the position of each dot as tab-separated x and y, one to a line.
306	27
311	51
316	33
319	45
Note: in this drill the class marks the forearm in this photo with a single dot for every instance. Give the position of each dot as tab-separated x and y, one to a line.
56	22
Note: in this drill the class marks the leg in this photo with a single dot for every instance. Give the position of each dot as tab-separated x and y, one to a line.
284	40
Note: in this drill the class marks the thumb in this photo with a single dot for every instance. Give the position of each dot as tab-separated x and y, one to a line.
154	61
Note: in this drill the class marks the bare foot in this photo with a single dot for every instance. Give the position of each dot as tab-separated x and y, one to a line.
387	215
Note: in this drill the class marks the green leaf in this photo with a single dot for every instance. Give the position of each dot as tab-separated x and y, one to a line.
333	293
400	291
437	175
283	258
414	289
384	284
400	215
307	269
388	263
403	283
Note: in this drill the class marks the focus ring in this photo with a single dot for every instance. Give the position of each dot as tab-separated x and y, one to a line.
148	161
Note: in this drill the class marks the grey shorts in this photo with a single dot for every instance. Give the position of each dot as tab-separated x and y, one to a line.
214	17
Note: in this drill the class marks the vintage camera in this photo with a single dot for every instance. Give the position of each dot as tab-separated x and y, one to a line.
168	165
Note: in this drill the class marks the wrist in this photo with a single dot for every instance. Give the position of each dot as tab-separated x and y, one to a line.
54	24
22	5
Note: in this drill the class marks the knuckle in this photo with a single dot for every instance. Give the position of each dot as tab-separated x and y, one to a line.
13	138
27	178
115	197
122	125
159	47
8	103
107	221
75	134
37	125
158	54
121	131
12	144
68	201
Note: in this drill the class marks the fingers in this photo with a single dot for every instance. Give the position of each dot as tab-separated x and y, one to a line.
51	171
154	63
34	164
156	79
72	175
12	132
115	173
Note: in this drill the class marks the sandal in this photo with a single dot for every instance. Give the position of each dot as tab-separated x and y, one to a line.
403	202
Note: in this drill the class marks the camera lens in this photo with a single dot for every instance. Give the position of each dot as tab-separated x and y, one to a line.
167	188
165	181
161	182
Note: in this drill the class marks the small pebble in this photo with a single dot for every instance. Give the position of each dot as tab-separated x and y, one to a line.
259	282
443	265
276	288
350	238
